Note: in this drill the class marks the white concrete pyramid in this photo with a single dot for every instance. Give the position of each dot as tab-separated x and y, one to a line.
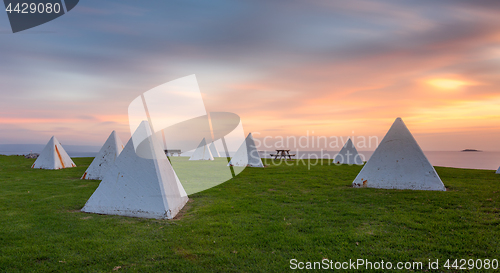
140	186
213	150
348	155
53	157
105	158
202	152
498	171
247	154
399	163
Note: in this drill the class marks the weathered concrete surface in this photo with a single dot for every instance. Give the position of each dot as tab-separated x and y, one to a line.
53	157
247	155
202	152
399	163
348	155
139	186
105	158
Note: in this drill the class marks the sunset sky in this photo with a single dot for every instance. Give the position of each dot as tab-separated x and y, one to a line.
286	67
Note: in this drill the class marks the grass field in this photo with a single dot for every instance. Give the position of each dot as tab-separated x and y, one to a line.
212	173
255	222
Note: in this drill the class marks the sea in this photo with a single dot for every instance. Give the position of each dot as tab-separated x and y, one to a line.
72	150
485	160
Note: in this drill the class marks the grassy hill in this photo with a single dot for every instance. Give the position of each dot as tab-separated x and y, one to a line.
256	222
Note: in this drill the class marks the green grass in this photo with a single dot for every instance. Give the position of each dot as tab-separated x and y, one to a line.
212	173
255	222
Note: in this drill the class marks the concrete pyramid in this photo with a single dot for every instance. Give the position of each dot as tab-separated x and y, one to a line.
247	154
53	157
202	152
105	158
213	150
139	184
498	171
348	155
399	163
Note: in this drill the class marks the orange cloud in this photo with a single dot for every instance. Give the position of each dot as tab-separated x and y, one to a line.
448	84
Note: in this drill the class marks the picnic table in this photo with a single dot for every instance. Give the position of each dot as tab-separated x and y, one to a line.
172	152
282	154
